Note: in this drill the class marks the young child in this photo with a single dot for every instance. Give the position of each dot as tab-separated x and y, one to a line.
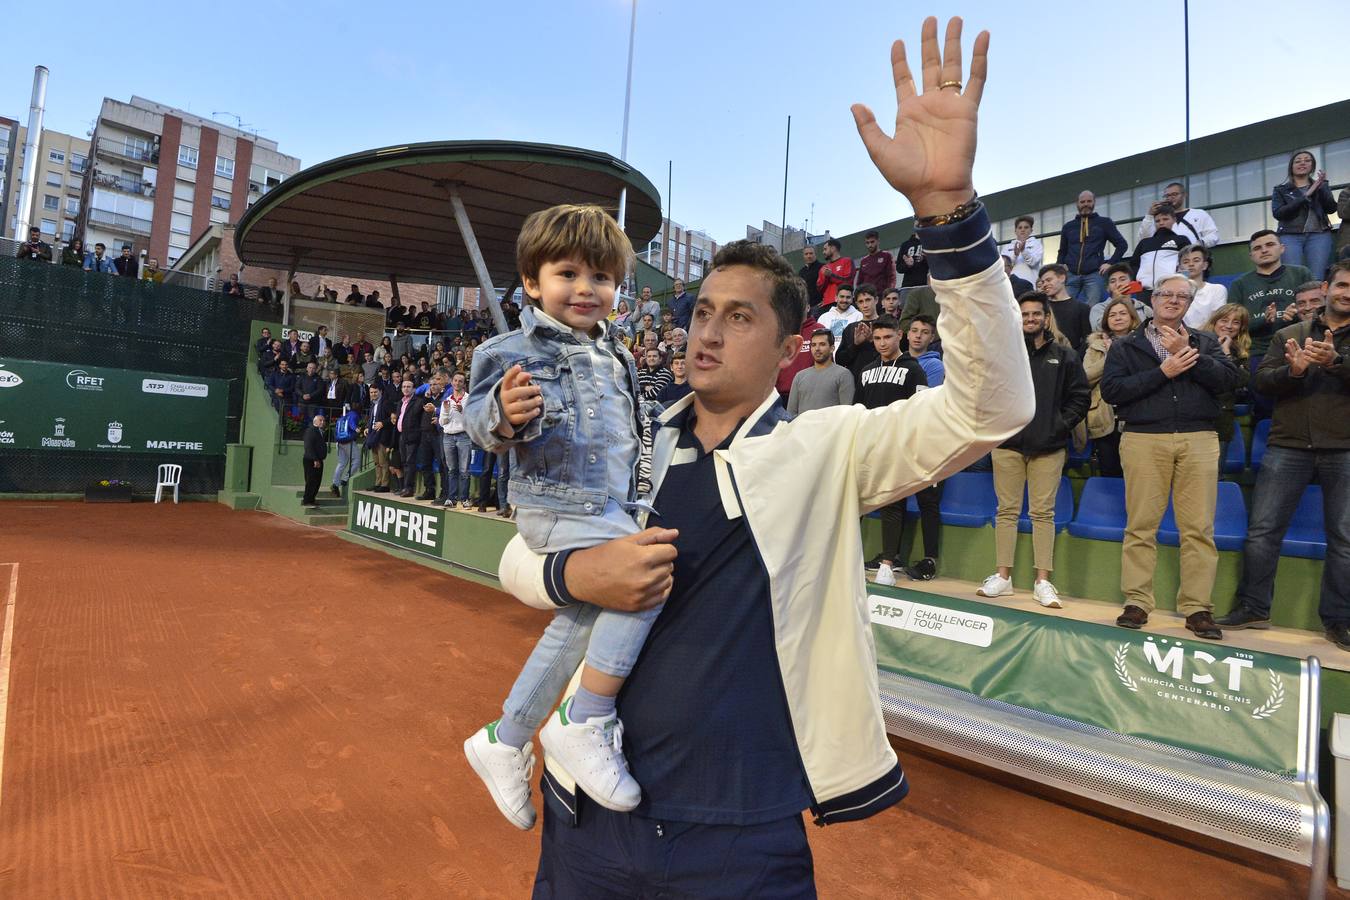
561	394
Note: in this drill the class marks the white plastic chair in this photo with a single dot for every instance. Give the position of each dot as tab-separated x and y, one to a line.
169	475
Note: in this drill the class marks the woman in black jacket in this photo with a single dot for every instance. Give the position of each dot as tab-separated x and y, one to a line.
1303	204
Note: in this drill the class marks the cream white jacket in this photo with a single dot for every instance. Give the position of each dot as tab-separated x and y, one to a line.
811	546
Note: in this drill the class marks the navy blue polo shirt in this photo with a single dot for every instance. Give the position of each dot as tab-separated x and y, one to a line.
706	726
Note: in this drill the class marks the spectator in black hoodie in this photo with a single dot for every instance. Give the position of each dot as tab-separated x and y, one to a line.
809	273
1034	458
1072	318
316	451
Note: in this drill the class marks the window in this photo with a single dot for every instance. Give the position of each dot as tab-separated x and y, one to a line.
72	206
50	202
48	227
220	201
56	156
183	190
54	179
224	167
67	231
78	163
180	223
137	148
187	156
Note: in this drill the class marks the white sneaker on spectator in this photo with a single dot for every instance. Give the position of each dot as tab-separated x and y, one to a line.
996	586
506	771
592	753
1046	595
885	575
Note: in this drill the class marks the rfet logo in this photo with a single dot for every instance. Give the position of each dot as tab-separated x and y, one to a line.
80	380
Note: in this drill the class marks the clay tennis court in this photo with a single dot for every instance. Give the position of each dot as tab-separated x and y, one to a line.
207	703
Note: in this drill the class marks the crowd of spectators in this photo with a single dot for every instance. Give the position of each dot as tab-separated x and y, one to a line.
96	259
1139	352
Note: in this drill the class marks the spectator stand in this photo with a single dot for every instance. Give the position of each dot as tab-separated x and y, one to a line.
444	213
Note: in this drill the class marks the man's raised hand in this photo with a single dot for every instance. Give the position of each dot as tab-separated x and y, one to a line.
930	157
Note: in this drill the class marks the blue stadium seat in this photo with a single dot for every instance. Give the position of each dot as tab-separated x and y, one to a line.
1306	536
1242	409
1063	508
1259	438
1079	458
1230	520
1236	459
1101	510
1225	280
968	499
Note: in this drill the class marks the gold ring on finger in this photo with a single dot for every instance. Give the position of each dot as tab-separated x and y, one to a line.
949	84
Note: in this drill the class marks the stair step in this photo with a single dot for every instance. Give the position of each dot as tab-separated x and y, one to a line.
326	520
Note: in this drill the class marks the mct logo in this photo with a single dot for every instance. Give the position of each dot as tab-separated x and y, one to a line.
80	380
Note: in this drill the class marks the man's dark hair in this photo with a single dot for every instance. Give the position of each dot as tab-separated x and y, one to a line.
1202	250
864	289
1175	184
1259	234
442	370
787	292
925	319
835	244
1165	209
825	333
885	322
101	244
844	287
1119	267
1339	266
872	234
1057	268
1307	287
1036	297
1028	219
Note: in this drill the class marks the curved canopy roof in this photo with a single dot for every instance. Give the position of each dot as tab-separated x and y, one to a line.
388	212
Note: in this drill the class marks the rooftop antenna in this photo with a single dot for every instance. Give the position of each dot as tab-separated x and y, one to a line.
239	123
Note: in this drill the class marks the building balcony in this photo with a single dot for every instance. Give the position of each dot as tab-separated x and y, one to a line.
118	221
121	150
125	185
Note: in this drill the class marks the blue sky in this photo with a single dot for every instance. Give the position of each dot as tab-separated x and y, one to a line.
1071	84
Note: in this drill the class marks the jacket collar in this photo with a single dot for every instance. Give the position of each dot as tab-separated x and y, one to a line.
763	420
531	322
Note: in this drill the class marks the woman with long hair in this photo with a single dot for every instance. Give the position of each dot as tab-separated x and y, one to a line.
1231	324
1119	319
73	255
1303	205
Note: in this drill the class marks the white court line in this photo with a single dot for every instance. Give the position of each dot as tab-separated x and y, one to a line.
6	645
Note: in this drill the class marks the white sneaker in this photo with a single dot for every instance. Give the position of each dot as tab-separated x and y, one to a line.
885	575
506	771
592	753
1045	594
996	586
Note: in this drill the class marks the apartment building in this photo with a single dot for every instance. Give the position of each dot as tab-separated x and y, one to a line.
160	177
680	252
62	161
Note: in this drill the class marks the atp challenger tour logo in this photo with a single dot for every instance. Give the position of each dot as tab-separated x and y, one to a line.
948	624
1227	684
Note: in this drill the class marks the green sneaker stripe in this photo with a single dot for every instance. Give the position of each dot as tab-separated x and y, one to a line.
562	711
492	731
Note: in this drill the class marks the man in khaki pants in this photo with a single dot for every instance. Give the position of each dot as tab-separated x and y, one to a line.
1034	457
1164	382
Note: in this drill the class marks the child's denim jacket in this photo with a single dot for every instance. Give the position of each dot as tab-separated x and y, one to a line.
559	458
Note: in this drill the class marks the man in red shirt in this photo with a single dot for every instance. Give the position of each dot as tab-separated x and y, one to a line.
877	268
836	271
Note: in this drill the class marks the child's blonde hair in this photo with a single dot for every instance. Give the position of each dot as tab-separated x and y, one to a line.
584	231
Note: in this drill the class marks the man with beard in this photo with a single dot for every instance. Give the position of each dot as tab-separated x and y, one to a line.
826	383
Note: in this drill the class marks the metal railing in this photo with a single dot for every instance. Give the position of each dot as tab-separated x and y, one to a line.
127	185
114	147
117	220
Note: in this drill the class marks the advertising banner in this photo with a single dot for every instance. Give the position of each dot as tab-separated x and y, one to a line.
55	406
1235	704
405	525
